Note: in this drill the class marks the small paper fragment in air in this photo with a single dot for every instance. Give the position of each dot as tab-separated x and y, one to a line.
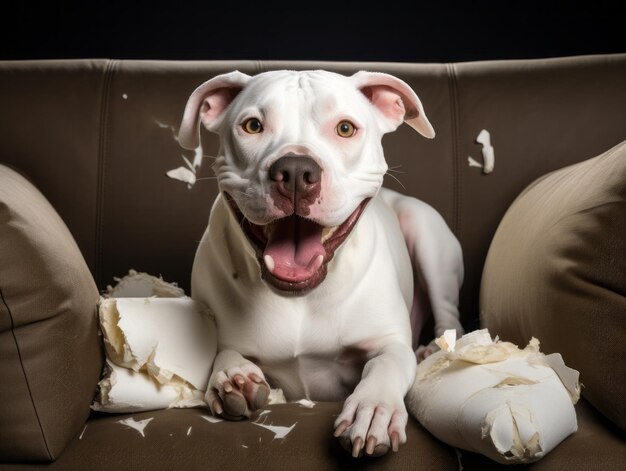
182	174
484	139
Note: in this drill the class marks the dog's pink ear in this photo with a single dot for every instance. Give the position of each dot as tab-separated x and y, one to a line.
395	100
207	103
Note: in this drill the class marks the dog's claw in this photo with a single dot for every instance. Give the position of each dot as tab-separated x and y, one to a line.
371	445
357	446
256	378
217	407
395	441
341	428
240	381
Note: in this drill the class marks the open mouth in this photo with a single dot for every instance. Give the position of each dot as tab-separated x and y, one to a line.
294	251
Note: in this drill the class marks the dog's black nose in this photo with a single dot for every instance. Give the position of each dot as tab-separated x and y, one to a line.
298	179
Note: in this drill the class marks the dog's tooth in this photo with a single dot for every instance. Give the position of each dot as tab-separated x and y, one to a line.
269	263
327	233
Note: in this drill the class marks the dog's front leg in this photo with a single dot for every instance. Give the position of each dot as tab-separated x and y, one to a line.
237	386
374	416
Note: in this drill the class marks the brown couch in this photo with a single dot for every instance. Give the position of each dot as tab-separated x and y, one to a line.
96	138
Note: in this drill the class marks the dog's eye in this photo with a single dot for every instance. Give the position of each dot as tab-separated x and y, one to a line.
346	129
252	126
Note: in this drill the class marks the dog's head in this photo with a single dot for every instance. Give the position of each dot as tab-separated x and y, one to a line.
300	156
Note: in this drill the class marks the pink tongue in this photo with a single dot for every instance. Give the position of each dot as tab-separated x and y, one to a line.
295	247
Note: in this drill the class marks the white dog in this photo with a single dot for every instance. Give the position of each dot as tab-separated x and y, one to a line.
316	275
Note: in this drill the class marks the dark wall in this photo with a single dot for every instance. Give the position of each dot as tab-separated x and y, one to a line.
427	31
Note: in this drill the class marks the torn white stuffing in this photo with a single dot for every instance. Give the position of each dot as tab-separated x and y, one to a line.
127	391
493	398
165	337
142	285
159	346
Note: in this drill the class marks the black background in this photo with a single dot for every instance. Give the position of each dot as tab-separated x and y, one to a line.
414	31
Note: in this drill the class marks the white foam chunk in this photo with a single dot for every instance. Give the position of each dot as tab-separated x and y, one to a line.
493	398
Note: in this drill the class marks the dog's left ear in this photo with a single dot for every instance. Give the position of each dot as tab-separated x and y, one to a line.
207	103
395	100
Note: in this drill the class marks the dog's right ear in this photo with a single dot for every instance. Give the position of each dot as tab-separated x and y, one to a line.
207	103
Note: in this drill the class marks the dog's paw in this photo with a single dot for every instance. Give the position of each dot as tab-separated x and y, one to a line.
237	391
371	427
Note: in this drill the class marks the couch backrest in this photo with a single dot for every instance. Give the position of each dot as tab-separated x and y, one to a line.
97	137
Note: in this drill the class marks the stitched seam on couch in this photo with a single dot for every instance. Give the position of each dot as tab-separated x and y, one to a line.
102	149
30	394
456	146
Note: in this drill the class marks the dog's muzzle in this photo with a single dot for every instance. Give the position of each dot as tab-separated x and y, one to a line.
294	251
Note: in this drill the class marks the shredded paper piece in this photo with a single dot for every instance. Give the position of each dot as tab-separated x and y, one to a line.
138	425
211	419
279	432
188	173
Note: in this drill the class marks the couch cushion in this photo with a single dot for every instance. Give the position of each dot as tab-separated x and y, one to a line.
177	439
50	356
556	270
